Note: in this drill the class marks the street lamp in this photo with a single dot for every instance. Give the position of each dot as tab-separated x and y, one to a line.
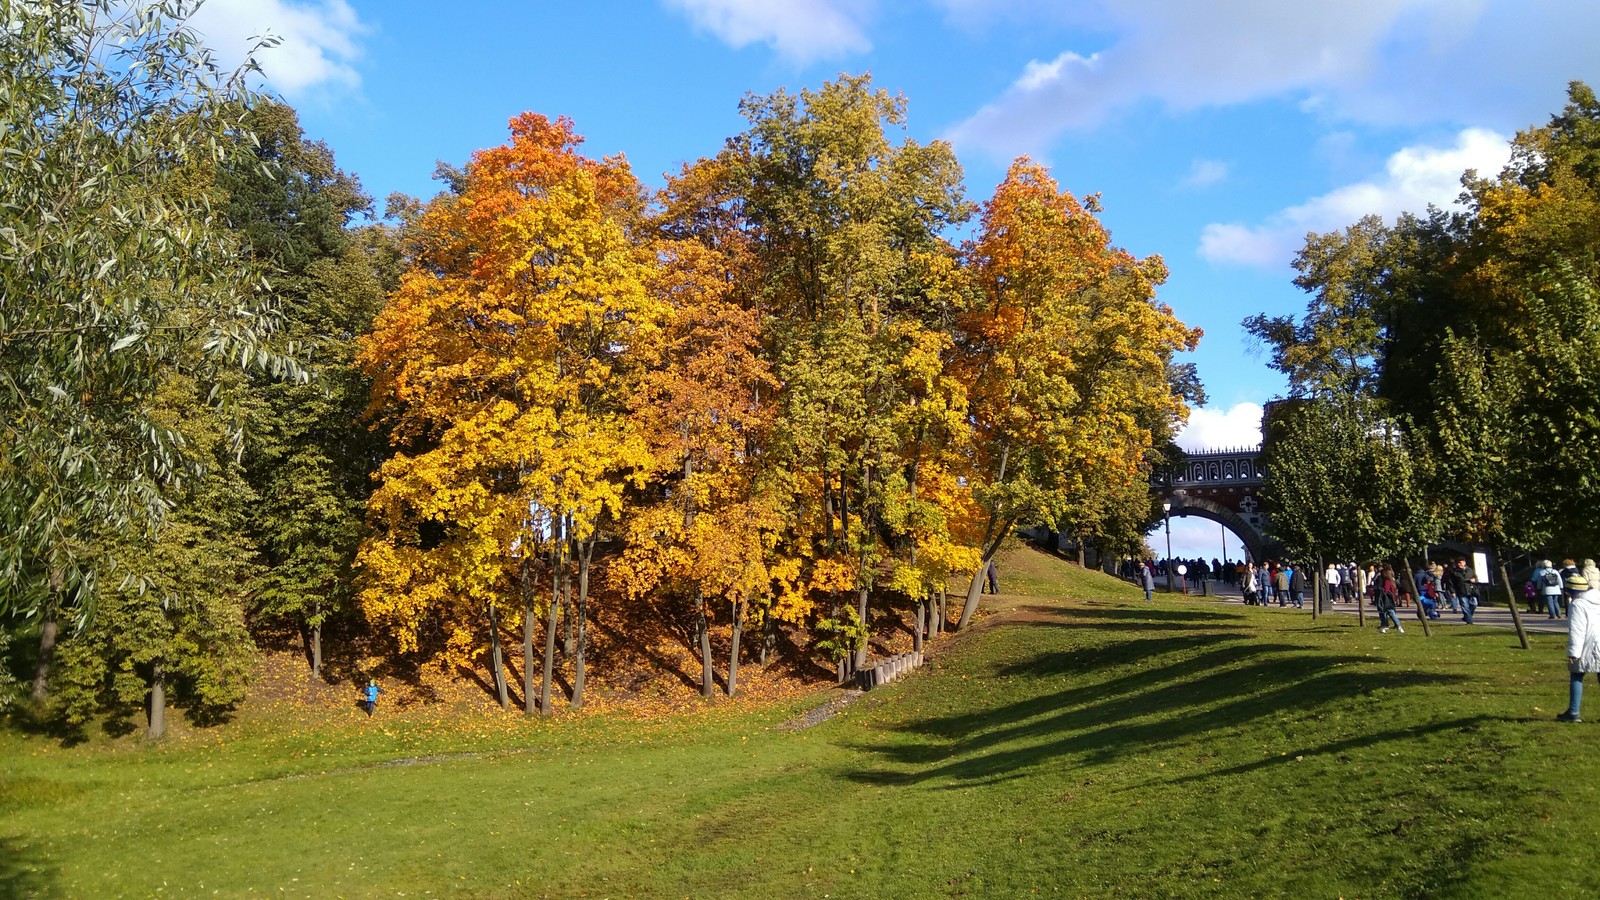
1166	513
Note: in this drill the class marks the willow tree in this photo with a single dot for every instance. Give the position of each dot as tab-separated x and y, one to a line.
114	270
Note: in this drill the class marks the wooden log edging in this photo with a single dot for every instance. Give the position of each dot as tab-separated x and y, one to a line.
887	670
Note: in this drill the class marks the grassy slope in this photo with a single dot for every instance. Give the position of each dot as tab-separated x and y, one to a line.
1085	746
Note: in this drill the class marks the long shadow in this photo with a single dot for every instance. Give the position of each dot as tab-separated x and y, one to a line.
1143	613
1025	711
1465	723
23	873
1136	722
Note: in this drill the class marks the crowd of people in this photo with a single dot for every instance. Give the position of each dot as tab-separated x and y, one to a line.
1569	591
1433	587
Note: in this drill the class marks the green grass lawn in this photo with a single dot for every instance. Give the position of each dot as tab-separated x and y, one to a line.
1088	746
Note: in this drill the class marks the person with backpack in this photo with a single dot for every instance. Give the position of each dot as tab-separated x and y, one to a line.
1548	580
1386	596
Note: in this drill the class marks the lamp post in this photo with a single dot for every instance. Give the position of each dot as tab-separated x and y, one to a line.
1166	513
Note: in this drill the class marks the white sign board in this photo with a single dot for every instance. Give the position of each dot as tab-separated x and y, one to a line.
1480	567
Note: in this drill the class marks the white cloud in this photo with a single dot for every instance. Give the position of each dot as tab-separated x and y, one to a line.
1222	429
799	30
1413	178
1204	173
1390	62
319	41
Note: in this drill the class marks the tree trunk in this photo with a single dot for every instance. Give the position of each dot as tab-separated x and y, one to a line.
733	652
1416	595
316	650
702	635
497	663
580	653
528	704
1316	592
1511	598
158	703
47	652
545	708
48	632
861	614
974	591
944	611
922	618
769	635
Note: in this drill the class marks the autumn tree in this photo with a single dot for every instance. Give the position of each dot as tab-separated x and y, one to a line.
501	366
707	530
846	227
1067	355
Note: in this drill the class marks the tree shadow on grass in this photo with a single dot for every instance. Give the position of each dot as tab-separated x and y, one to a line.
1096	723
23	872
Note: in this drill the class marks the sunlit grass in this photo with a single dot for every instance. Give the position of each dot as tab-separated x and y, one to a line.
1082	747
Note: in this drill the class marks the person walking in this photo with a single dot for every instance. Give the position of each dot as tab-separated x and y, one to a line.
1280	585
1331	577
1297	586
1386	596
1465	588
370	694
1148	579
1247	583
1583	641
1548	580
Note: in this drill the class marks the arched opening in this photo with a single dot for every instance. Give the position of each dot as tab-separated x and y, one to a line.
1235	531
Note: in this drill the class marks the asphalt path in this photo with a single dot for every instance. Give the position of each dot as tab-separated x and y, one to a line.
1490	616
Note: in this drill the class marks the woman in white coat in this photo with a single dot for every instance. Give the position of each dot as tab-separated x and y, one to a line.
1583	639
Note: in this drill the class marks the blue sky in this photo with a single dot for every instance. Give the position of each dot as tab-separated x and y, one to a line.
1217	133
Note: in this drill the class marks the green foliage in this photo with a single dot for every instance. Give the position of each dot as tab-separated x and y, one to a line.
1466	340
309	459
178	612
114	269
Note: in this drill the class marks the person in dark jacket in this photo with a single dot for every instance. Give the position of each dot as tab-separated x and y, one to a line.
1297	586
1465	587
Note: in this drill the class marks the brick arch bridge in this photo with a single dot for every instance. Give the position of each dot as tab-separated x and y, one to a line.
1222	486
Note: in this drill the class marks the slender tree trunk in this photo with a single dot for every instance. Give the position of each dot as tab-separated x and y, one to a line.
580	654
944	612
316	648
529	706
158	703
497	662
861	613
550	632
974	592
1316	592
702	636
1422	614
733	652
769	636
1511	599
921	620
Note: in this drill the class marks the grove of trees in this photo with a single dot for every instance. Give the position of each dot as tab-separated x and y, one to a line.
779	401
1446	365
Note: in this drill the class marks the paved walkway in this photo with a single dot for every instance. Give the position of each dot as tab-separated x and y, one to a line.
1491	616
